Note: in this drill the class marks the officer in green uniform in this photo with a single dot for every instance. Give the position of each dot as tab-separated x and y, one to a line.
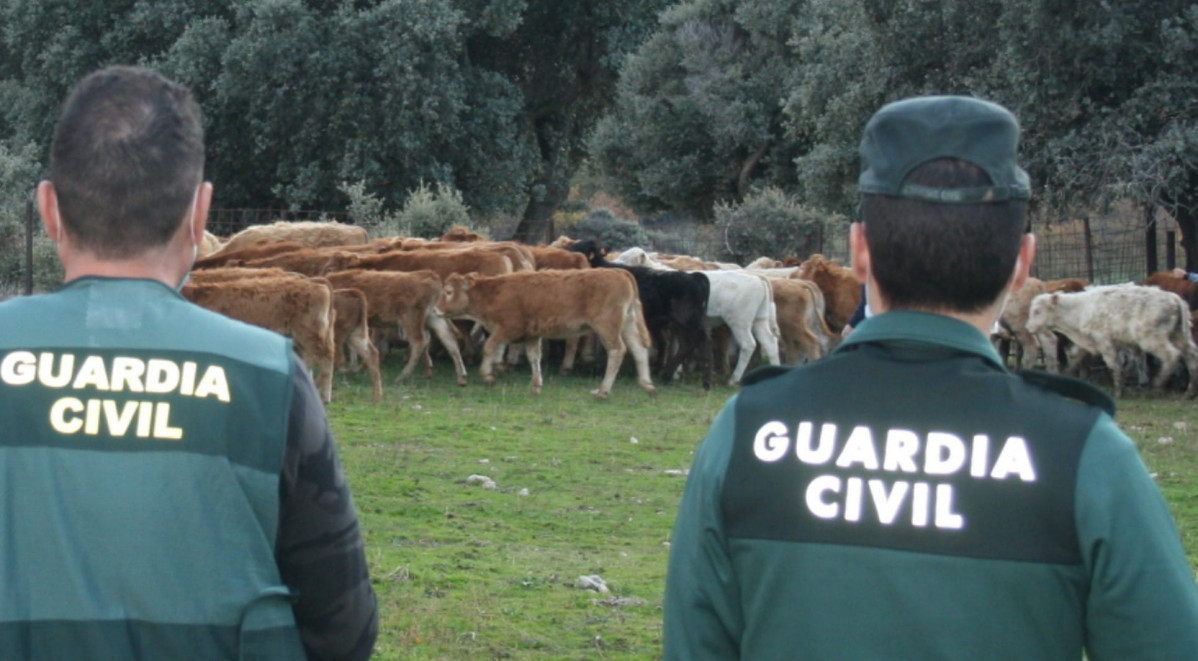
170	486
907	497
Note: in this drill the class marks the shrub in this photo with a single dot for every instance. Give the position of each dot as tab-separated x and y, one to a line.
429	212
366	210
772	223
611	232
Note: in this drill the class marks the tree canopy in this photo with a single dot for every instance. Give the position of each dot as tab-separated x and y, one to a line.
1105	93
492	97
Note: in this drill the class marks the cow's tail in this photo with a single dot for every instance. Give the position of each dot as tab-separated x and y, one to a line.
1186	325
639	312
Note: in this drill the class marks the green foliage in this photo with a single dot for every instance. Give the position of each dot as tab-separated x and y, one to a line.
772	223
18	181
489	96
698	108
431	210
615	233
367	210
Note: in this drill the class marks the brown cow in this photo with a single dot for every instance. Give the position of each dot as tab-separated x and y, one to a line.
803	331
352	329
532	305
405	300
309	233
222	258
548	257
463	234
842	291
519	254
442	262
308	261
289	304
1169	281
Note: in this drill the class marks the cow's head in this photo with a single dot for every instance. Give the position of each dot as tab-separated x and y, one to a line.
1041	311
341	261
455	294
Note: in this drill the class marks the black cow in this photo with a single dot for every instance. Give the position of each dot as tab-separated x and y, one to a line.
675	305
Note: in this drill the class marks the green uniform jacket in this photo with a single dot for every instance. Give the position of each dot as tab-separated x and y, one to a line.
908	498
142	445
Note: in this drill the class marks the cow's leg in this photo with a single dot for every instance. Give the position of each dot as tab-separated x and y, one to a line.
1110	356
441	328
533	349
1190	355
743	337
640	354
1169	357
491	351
1047	343
365	349
417	344
571	352
615	356
587	348
766	339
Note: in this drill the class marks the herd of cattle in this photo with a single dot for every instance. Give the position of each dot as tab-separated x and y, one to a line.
330	287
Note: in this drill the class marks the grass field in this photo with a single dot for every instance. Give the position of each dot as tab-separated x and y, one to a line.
582	488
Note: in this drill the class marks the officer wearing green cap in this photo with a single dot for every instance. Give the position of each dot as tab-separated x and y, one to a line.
907	497
170	486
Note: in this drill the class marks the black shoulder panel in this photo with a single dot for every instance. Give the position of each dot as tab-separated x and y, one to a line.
1072	388
763	373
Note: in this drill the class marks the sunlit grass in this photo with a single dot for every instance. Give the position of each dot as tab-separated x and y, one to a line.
582	487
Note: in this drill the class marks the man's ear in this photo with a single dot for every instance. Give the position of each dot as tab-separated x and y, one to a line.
1023	263
859	251
47	208
199	219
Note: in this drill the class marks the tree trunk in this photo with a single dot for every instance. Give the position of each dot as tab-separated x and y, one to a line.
1187	222
1150	253
536	227
746	171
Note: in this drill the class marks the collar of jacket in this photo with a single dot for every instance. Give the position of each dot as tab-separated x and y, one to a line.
910	326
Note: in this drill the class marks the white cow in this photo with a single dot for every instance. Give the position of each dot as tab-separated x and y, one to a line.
745	302
1103	320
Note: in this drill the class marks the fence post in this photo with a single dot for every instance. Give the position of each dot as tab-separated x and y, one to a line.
28	247
1089	248
1150	248
1170	250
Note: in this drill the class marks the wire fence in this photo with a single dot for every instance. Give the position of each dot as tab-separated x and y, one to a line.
1117	247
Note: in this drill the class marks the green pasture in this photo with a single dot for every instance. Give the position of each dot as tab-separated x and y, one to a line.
582	488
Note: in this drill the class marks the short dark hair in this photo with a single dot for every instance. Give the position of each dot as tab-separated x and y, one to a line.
127	156
942	256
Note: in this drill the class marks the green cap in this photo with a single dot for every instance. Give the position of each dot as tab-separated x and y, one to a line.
906	134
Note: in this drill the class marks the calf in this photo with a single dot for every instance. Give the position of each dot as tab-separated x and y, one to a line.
675	305
803	333
352	329
532	305
442	262
223	257
1166	280
1014	320
1103	320
840	287
309	233
745	302
405	301
289	304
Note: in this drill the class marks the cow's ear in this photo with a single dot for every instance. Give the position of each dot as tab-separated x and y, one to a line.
469	280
